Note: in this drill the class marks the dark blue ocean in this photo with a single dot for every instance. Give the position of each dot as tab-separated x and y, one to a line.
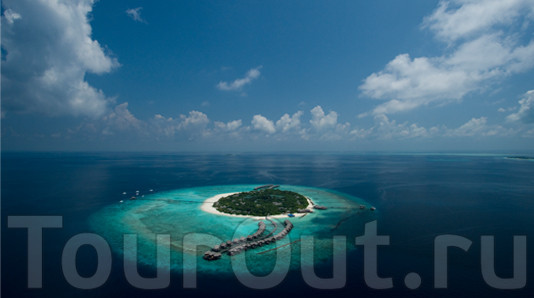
418	197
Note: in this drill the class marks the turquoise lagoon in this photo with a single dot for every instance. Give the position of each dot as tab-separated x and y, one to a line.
177	213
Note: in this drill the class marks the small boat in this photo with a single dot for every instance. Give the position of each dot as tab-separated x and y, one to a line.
151	190
133	198
362	207
373	208
121	201
291	215
123	192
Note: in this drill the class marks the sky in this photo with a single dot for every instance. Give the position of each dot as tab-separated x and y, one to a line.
225	76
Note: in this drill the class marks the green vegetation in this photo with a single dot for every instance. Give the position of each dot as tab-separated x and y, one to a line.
262	202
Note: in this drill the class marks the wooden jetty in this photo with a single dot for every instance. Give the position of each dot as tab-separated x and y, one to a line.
266	186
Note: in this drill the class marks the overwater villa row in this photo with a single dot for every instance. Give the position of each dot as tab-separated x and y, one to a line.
238	245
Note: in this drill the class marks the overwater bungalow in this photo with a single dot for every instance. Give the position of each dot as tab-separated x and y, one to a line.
210	256
238	245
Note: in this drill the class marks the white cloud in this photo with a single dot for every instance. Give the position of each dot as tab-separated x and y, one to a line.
484	45
479	127
49	50
222	130
229	126
163	126
472	127
192	125
325	126
526	109
322	121
393	106
135	14
11	16
288	123
261	123
121	119
457	19
384	128
195	118
251	75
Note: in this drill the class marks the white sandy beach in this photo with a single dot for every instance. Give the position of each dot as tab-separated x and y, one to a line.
207	206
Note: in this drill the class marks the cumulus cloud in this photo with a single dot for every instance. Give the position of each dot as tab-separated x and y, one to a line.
322	121
135	14
121	119
485	44
233	129
261	123
325	126
229	126
192	125
471	127
162	126
384	128
288	123
387	129
195	118
526	109
237	84
49	50
479	127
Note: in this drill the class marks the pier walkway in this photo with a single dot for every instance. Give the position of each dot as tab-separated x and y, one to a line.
239	245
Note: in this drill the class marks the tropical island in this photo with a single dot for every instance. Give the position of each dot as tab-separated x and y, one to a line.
262	202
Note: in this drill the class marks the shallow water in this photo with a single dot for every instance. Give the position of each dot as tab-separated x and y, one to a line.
177	213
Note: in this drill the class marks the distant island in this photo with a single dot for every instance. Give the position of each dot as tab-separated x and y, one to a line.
521	157
262	202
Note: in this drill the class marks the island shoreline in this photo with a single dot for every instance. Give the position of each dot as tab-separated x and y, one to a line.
207	206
